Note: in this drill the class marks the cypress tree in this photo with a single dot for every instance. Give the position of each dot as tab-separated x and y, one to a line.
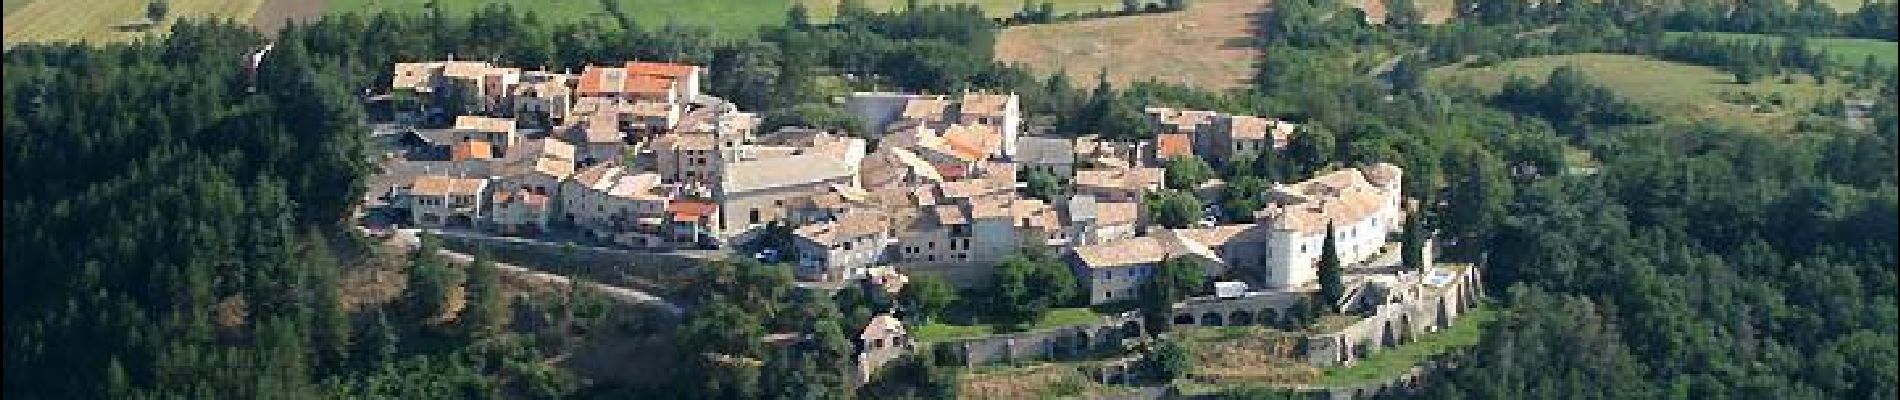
1412	247
1330	286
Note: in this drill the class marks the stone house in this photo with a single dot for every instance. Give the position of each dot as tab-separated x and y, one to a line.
1053	155
881	341
1118	185
1363	205
539	166
838	250
1114	272
518	212
443	201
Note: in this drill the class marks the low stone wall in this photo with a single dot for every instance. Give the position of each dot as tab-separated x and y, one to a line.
1068	342
1393	324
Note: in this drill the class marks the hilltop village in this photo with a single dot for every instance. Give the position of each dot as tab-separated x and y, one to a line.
634	156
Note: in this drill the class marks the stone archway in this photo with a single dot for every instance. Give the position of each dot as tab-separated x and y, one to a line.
1211	319
1405	327
1084	344
1241	318
1131	329
1387	336
1442	318
1270	317
1184	319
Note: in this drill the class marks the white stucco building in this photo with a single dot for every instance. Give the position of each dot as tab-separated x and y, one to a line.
1361	204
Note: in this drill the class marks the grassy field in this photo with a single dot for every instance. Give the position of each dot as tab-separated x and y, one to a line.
1676	91
1209	45
10	5
93	20
1391	362
1246	354
732	18
1850	52
1057	317
825	9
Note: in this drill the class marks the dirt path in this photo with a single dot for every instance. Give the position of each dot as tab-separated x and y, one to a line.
274	13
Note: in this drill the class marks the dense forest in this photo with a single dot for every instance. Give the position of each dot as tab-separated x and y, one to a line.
176	221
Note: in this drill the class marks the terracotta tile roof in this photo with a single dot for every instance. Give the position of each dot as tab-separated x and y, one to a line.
471	150
521	197
1124	252
1220	235
852	224
599	81
484	124
1283	133
984	104
1142	250
1248	127
1180	121
1107	213
926	108
637	187
602	129
1033	213
414	76
992	206
972	142
950	215
660	69
466	69
609	81
883	327
1341	197
1171	145
438	185
1119	178
647	84
687	141
688	210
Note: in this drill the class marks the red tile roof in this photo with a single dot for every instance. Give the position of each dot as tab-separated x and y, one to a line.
470	150
1170	145
667	70
686	210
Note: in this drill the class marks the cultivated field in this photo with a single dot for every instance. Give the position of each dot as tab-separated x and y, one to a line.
1208	45
94	20
10	5
1850	52
1676	91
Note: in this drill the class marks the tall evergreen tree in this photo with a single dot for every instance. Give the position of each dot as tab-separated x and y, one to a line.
487	311
1412	242
1331	285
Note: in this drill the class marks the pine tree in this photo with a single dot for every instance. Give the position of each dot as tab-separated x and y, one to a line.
331	324
798	17
378	343
487	312
1331	288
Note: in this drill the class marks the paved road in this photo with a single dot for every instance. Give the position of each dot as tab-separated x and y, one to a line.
618	293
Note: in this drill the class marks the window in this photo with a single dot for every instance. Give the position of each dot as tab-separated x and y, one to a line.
931	258
755	216
847	246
